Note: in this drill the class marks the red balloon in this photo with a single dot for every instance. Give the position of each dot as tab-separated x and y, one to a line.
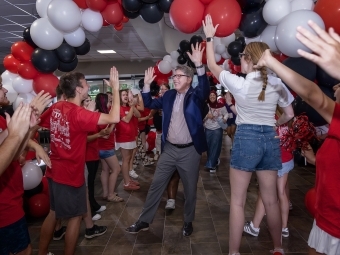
125	19
206	2
39	205
46	82
162	80
45	186
221	61
81	4
329	11
226	13
22	51
156	70
118	27
151	140
11	63
113	13
310	200
186	16
105	24
96	5
283	57
237	69
27	71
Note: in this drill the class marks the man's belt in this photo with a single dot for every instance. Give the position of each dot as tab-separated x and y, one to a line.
181	146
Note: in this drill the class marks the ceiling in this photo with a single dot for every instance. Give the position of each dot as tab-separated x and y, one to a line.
137	41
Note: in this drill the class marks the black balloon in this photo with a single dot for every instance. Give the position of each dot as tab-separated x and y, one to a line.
151	13
165	5
149	1
181	60
234	48
84	48
132	5
196	39
301	106
302	66
36	190
27	37
66	53
68	67
324	79
235	60
252	24
45	61
242	40
184	46
130	15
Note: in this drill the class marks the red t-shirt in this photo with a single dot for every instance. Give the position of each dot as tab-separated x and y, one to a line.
69	125
135	122
92	149
142	124
106	144
286	156
328	179
11	191
125	132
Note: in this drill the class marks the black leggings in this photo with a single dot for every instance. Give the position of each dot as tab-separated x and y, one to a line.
92	167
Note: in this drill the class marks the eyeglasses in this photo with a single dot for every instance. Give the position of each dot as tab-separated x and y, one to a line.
178	76
240	55
87	100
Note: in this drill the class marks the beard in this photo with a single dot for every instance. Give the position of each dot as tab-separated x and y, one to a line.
4	102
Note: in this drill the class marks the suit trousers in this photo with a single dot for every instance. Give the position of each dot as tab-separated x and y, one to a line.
186	161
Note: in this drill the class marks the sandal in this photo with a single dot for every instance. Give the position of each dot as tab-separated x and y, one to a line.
115	199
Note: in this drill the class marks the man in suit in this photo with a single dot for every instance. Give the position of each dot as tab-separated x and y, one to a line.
182	140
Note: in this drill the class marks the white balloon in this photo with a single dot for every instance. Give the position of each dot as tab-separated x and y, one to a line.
225	55
174	64
217	57
275	10
76	38
41	6
302	5
22	85
44	35
174	55
167	58
65	16
253	39
219	49
92	21
268	37
32	175
216	42
11	93
228	39
20	98
164	67
226	65
8	77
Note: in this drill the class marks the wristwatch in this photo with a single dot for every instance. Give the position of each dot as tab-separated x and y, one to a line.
210	39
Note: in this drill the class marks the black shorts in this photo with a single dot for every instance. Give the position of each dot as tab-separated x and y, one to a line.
67	201
14	238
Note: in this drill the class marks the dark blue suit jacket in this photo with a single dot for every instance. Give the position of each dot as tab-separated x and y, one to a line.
193	105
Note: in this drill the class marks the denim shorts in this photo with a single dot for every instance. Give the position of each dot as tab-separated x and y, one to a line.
14	238
286	168
256	147
106	153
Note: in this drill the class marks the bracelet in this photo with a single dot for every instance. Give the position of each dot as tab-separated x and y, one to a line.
199	66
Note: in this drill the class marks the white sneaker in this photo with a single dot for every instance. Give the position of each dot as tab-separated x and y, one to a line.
148	163
170	204
133	174
96	217
250	229
101	209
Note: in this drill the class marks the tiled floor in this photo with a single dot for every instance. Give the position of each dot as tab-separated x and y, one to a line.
210	234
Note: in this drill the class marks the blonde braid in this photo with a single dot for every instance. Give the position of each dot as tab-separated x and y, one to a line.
264	76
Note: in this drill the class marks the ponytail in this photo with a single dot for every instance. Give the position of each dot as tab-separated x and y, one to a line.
264	77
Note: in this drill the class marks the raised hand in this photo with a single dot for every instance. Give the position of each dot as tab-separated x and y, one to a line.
114	79
208	26
197	53
149	76
264	60
40	102
325	47
19	124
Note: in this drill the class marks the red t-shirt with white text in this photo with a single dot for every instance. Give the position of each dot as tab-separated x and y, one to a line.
125	132
69	125
11	190
92	150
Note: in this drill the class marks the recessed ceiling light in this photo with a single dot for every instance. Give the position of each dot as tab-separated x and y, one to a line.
106	51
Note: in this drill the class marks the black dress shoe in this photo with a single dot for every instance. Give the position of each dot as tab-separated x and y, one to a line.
138	226
187	228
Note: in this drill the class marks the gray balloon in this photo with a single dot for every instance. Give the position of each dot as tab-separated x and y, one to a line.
285	36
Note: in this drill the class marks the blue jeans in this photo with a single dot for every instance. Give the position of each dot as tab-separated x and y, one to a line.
214	140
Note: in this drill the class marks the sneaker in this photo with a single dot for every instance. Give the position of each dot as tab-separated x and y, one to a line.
170	204
187	228
250	229
96	217
131	186
148	163
290	206
95	231
101	209
59	234
138	226
277	252
285	232
212	170
133	174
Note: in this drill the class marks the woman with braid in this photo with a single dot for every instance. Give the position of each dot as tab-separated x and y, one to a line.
256	147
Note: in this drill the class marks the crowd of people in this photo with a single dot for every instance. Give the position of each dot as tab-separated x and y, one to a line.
189	121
